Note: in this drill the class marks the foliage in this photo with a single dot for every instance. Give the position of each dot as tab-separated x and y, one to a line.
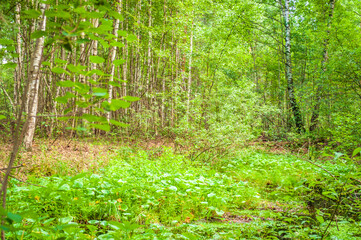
156	193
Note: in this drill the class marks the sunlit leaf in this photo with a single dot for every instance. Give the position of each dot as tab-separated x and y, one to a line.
131	99
96	59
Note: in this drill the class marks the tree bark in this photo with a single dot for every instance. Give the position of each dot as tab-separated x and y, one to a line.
112	58
290	85
316	110
34	82
190	74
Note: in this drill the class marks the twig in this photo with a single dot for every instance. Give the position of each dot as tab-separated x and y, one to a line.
321	168
10	175
334	212
22	165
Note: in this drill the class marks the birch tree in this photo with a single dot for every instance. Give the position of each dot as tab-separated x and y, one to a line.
34	82
288	65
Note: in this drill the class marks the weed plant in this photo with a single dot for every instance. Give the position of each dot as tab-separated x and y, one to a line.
162	195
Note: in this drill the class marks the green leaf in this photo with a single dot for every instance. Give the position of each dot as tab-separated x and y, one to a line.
66	83
14	217
320	219
59	61
93	118
59	14
120	124
115	84
72	68
4	41
65	220
356	151
38	34
31	13
118	62
104	127
104	43
116	104
58	70
96	71
45	63
82	104
131	99
96	59
117	44
2	117
9	65
100	92
122	33
116	15
64	99
131	38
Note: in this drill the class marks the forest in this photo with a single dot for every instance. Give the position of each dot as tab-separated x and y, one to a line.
180	119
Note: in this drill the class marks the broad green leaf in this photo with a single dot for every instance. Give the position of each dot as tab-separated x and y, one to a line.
356	151
45	63
14	217
2	117
59	61
100	92
66	83
4	41
95	71
64	99
38	34
115	84
131	99
58	70
320	219
118	62
93	118
65	220
117	44
82	104
83	40
104	43
9	65
116	15
104	127
122	33
116	104
81	87
131	38
72	68
59	14
118	123
96	59
31	13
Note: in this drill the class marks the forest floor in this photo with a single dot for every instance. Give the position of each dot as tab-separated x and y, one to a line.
154	190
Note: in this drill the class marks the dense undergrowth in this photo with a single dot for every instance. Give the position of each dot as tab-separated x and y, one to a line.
158	194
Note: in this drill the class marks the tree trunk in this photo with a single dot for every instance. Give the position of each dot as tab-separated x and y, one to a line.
34	82
315	112
290	84
190	74
18	76
112	58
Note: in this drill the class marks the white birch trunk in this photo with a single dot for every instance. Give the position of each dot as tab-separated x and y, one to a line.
18	70
190	75
34	82
112	58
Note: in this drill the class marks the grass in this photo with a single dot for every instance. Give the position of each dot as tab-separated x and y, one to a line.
139	193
